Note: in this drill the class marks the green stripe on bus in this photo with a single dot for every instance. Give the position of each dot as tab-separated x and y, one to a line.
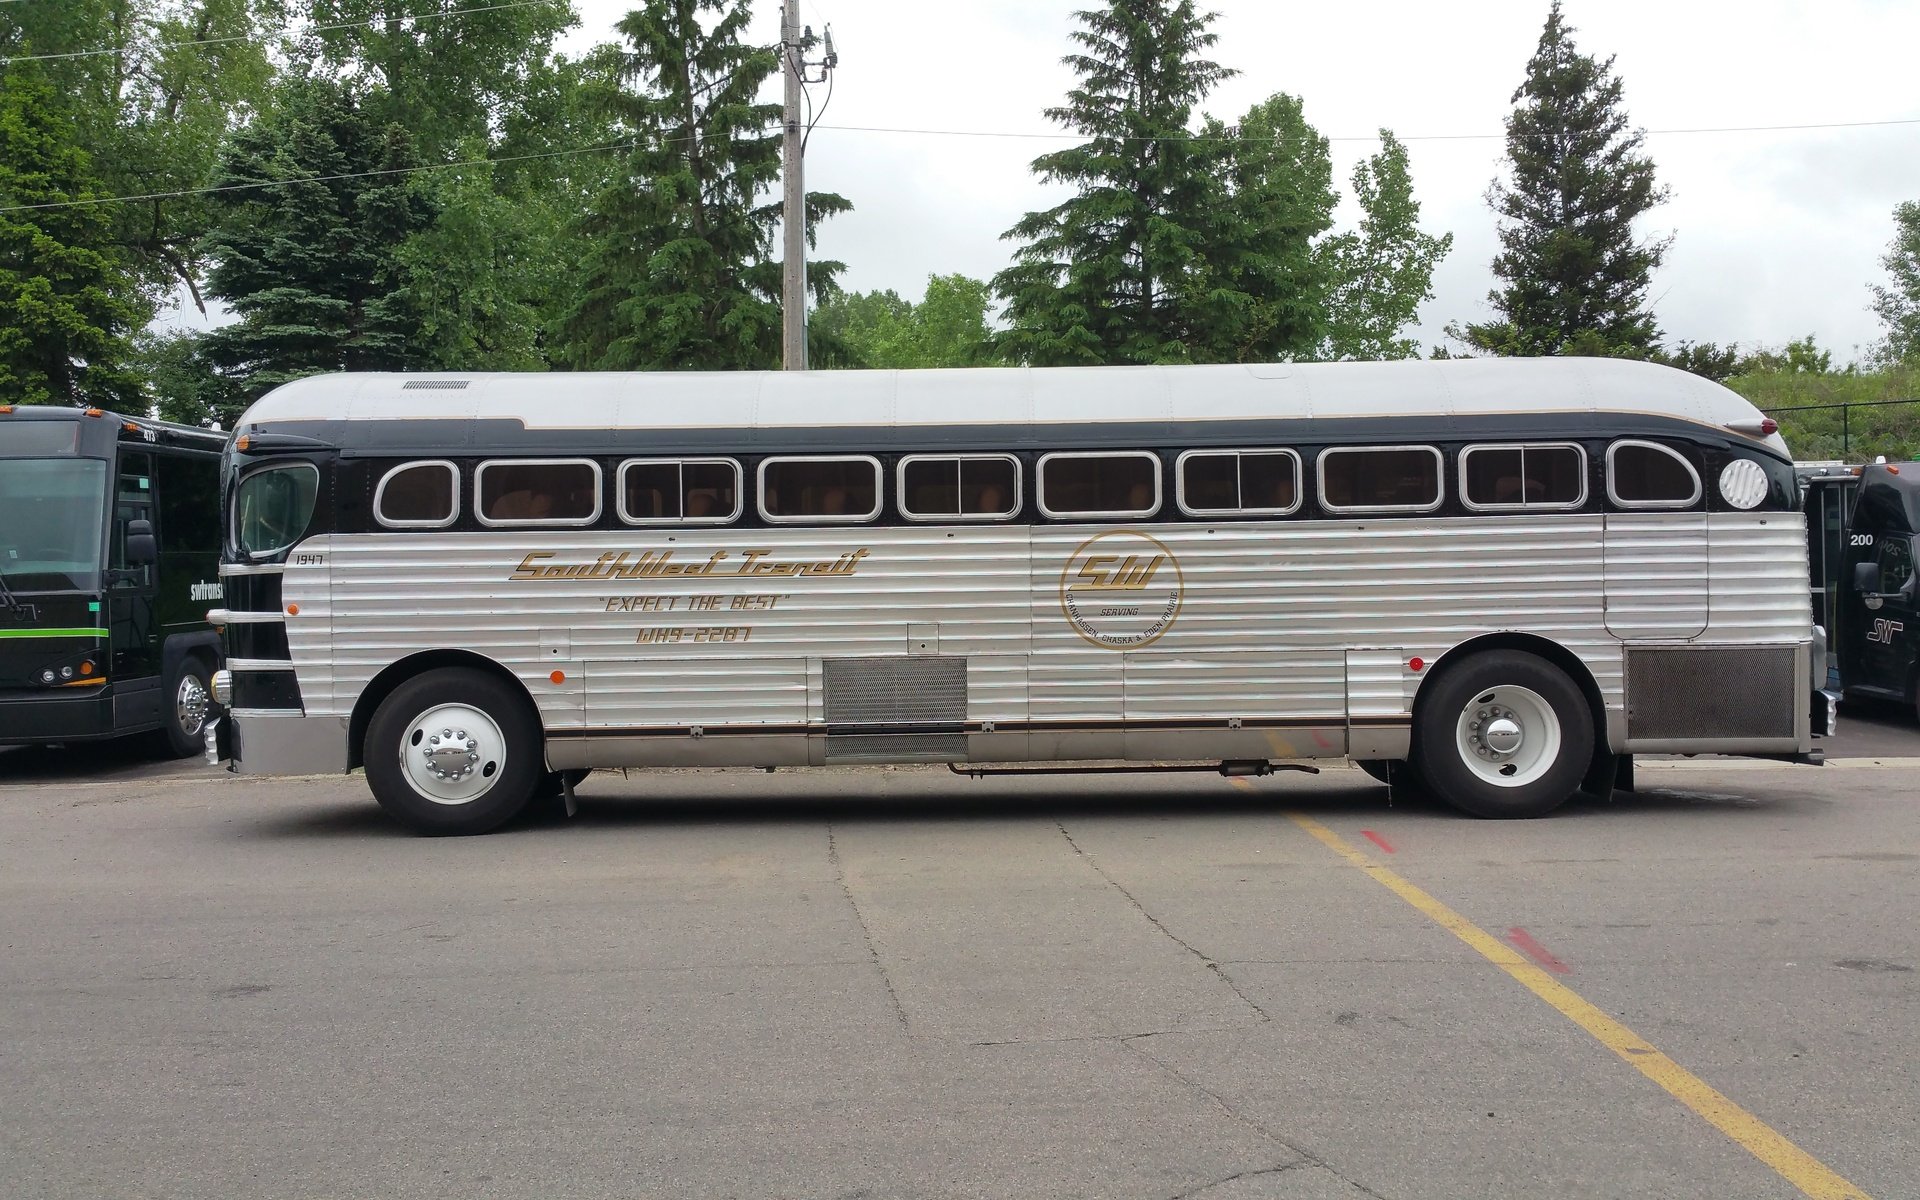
51	633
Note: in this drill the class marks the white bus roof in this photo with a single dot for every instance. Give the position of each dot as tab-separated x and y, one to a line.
1016	395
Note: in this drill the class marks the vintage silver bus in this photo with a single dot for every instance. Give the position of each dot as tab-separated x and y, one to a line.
1497	579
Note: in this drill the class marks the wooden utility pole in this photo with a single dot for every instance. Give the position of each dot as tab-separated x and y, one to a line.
793	285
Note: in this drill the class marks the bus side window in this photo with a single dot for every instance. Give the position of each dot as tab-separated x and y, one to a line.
975	487
1380	479
1239	482
538	491
1121	484
423	495
1550	476
666	491
828	488
1649	475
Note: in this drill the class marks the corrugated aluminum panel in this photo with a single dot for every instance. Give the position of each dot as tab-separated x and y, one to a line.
1656	575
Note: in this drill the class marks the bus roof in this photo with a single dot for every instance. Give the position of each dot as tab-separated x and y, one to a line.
1018	395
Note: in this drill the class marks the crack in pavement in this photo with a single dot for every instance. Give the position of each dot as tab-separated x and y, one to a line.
866	933
1205	961
1254	1173
1307	1157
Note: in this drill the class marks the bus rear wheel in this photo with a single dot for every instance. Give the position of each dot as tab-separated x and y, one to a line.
1503	734
189	701
453	751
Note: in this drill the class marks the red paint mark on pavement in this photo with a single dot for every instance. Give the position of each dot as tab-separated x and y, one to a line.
1535	951
1377	840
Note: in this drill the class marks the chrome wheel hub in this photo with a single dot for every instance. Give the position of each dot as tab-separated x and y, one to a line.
1509	736
453	753
190	705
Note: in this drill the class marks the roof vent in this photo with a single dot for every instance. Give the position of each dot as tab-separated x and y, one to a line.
433	385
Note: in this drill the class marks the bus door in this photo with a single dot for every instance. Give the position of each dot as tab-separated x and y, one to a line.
131	624
1827	504
1883	639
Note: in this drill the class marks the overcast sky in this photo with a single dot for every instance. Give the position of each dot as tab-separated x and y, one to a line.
1776	235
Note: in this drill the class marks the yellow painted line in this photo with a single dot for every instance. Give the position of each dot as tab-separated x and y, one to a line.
1759	1139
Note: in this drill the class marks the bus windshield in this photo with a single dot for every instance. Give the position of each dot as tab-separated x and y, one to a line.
51	514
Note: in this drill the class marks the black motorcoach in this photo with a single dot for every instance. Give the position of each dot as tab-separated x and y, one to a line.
109	561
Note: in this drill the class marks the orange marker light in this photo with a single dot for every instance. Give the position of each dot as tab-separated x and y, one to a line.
242	442
558	677
96	412
293	610
86	668
5	409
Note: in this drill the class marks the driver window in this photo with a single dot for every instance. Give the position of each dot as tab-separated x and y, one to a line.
1896	564
132	501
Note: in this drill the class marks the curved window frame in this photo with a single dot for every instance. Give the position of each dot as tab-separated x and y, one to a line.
1040	486
1180	482
480	511
1468	502
1613	494
867	518
739	490
1439	480
380	491
233	529
900	487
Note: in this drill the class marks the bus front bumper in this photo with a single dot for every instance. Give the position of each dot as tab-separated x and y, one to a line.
31	718
253	743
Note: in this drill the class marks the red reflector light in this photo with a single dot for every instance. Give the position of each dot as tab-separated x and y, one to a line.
1416	663
1769	425
1893	470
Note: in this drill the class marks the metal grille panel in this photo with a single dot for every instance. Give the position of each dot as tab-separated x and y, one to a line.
434	385
1710	692
898	747
905	690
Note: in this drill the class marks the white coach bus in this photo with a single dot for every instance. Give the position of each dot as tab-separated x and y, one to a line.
1497	579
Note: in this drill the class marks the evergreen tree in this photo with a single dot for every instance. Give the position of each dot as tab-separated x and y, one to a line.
1575	275
1260	289
311	266
1383	272
65	318
1898	306
1109	275
680	266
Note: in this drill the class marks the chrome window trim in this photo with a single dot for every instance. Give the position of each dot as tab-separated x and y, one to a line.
380	490
480	511
1040	486
900	486
620	491
1320	480
1468	502
879	490
233	518
1614	495
1180	482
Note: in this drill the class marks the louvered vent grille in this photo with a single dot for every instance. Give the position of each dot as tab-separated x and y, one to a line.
433	385
895	691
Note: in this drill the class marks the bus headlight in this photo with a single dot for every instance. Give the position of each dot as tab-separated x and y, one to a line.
47	676
222	687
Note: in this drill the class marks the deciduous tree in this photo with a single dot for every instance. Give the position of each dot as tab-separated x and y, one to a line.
1897	303
1382	272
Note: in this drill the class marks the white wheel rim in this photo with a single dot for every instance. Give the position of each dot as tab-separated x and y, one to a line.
1509	736
453	753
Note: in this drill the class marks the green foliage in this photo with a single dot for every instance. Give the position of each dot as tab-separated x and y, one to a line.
679	268
1829	433
65	315
1898	306
1575	275
180	383
948	328
1382	273
1107	275
478	278
1706	359
154	114
312	267
446	80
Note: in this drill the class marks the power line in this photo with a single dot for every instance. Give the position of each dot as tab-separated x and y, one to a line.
1426	137
634	143
247	37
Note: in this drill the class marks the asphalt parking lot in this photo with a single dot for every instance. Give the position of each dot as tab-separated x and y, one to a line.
902	983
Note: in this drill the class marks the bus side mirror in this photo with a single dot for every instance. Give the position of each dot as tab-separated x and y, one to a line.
1866	578
141	548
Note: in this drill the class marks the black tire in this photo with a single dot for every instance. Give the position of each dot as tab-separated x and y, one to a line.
186	704
501	779
1564	750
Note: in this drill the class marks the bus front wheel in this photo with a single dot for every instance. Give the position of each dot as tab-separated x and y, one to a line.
453	751
1503	734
